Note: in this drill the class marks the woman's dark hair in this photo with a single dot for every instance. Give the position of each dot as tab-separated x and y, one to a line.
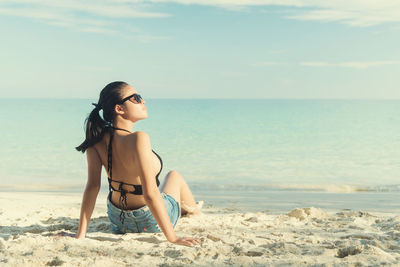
97	126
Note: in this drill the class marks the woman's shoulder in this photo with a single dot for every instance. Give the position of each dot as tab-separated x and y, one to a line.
140	138
140	134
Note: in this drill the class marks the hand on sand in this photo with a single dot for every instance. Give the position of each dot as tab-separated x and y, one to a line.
187	241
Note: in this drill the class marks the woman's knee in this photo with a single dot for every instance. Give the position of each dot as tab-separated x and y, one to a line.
173	178
173	174
172	185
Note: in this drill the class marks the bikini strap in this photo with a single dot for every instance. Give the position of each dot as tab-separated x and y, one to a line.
109	154
116	128
109	160
123	198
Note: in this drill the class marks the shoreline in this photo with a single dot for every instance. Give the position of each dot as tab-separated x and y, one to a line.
272	201
302	237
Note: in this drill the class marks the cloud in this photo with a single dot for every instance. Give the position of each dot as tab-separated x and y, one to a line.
360	13
321	64
101	8
109	16
101	16
351	64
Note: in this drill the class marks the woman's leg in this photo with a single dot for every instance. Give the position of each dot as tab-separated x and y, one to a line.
175	185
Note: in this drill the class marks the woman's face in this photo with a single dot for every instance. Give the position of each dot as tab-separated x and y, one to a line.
132	110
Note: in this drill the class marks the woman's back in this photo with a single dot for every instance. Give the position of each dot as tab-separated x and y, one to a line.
125	166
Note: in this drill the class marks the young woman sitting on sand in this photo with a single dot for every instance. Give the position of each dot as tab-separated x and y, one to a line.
134	204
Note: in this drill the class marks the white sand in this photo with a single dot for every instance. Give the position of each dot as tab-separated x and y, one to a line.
303	237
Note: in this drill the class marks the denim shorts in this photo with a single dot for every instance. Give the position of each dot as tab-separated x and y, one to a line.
141	220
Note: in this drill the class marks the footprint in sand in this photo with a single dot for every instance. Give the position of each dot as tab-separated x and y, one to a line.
353	250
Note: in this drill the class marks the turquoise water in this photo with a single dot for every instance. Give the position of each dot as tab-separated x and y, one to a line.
220	145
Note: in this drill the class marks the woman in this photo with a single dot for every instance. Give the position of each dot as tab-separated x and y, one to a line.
134	204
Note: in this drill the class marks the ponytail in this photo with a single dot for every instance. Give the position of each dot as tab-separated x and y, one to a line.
95	129
96	126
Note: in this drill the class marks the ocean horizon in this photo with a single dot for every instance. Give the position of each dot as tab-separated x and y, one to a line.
241	151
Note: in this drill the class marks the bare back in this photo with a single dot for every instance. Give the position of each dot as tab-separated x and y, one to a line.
125	167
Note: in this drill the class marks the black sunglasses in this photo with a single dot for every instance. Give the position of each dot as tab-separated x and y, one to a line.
137	99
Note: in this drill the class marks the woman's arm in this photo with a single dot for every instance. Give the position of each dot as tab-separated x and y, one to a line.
151	193
91	190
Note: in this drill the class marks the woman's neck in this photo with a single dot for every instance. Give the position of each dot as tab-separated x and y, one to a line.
125	127
115	128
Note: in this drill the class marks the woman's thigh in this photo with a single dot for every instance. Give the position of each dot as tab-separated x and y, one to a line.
172	185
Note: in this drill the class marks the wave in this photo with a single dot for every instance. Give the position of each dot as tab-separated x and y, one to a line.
41	187
332	188
329	188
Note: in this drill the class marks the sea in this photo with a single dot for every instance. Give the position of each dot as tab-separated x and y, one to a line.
267	155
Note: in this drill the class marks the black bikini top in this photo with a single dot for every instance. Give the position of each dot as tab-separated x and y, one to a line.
137	189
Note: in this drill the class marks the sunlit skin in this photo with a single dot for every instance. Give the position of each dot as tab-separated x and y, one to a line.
135	163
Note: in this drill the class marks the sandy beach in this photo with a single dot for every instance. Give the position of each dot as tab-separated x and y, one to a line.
305	236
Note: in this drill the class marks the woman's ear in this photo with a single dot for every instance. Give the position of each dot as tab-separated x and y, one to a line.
119	109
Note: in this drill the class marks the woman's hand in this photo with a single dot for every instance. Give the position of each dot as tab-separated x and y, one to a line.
187	241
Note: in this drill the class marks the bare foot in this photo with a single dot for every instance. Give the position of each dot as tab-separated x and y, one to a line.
65	234
192	211
200	204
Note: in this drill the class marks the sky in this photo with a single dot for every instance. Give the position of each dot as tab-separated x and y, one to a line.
336	49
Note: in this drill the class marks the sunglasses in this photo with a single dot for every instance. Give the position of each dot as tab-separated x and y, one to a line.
135	98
